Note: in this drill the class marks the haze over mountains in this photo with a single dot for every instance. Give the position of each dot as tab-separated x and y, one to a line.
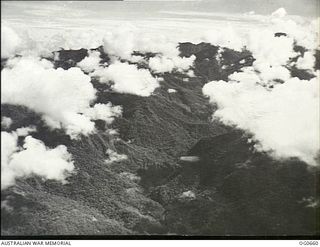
126	129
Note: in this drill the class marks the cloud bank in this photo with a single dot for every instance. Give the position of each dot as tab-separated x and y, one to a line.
284	120
6	122
127	78
10	42
114	156
161	64
301	30
63	97
34	158
91	62
127	38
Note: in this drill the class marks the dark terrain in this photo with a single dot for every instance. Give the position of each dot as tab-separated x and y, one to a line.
236	191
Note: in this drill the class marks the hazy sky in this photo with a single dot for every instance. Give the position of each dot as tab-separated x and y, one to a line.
175	19
151	8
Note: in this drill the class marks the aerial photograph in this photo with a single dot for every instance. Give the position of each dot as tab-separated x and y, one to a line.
175	119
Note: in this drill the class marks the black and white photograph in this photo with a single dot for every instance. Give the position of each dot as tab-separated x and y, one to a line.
175	119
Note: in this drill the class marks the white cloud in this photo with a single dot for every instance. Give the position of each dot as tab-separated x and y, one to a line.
260	39
284	120
156	43
28	40
305	32
114	156
24	131
225	37
112	132
190	73
188	194
105	112
136	59
261	74
130	176
91	62
247	75
269	73
10	42
120	42
11	63
33	159
8	147
128	78
6	122
272	54
267	48
126	38
62	38
62	96
171	90
38	86
59	94
279	13
307	61
163	64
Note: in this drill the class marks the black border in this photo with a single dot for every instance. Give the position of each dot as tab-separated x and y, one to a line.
157	237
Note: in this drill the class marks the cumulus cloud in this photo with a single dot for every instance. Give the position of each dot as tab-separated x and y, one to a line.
27	40
127	78
91	62
304	32
130	176
284	120
171	90
268	73
10	42
261	74
64	38
72	39
59	94
272	53
8	147
137	59
121	41
161	64
156	43
34	158
105	112
62	96
279	13
261	40
225	37
24	131
6	122
188	194
190	73
127	38
307	61
247	75
272	50
114	156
